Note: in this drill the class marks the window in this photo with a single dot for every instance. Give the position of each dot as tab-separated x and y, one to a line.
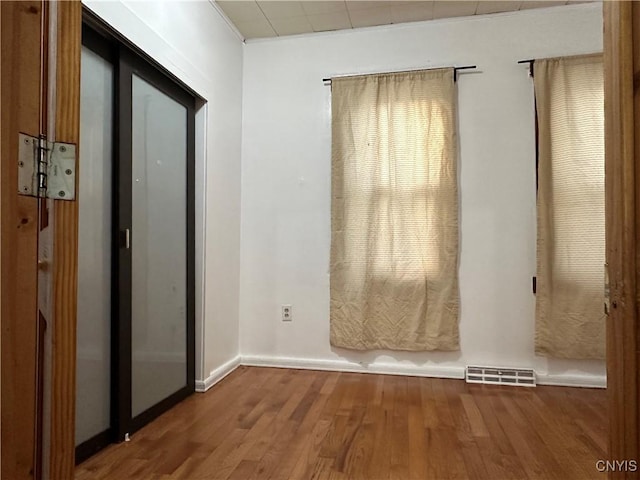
394	249
402	195
571	226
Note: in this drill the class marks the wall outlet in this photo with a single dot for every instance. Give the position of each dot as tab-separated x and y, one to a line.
287	313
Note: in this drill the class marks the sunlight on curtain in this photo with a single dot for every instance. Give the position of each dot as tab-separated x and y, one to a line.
394	244
570	321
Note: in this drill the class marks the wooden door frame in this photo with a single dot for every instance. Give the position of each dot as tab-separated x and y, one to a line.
25	94
20	112
65	248
622	187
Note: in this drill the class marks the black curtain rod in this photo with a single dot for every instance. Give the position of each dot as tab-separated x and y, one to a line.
530	62
327	81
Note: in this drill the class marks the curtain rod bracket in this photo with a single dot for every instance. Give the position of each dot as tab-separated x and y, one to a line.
455	70
530	62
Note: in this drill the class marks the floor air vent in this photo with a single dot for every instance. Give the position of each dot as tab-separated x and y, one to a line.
501	376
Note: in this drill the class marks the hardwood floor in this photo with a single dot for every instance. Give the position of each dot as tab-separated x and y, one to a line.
268	423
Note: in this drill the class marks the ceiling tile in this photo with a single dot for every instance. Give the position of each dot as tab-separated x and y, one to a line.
443	9
291	26
538	4
316	8
497	6
365	4
329	21
241	11
413	12
371	16
279	9
256	29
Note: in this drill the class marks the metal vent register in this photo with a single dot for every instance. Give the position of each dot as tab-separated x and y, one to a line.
501	376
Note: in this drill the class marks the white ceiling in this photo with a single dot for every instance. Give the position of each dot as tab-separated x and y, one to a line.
272	18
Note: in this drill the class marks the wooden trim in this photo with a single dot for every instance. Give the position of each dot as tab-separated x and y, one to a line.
622	208
65	241
3	278
20	112
631	393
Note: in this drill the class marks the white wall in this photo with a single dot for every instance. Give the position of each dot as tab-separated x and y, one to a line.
193	41
286	185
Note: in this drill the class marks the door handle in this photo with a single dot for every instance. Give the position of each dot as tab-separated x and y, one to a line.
607	291
126	238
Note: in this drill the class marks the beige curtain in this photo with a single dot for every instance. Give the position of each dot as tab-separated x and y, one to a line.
394	212
570	322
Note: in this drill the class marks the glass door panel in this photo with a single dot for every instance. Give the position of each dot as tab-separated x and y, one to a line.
93	385
135	332
158	246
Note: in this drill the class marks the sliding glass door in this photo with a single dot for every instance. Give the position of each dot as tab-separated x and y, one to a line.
159	246
136	269
93	370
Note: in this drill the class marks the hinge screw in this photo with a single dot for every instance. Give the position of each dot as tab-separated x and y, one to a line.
26	140
26	189
61	193
21	164
63	148
68	171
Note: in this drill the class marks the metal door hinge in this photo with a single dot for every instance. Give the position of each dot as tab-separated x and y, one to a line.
46	169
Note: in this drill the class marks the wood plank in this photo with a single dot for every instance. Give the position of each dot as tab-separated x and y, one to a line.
399	466
20	103
536	459
622	181
65	249
417	447
357	426
478	428
552	424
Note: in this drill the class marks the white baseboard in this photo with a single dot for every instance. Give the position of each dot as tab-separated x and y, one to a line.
218	374
345	366
560	380
565	380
